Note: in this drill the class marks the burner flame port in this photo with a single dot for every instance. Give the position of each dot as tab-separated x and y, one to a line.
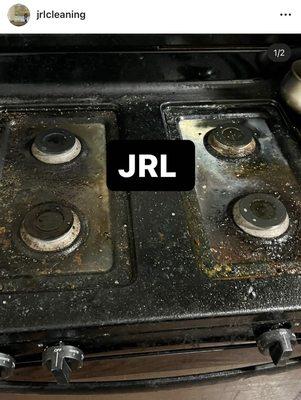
232	141
56	146
261	215
50	227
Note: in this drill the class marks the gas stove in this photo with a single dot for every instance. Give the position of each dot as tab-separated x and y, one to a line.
58	228
91	273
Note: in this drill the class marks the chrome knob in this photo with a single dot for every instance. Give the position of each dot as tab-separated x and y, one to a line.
61	360
278	343
7	365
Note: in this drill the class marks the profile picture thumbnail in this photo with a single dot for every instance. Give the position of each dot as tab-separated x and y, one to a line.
18	15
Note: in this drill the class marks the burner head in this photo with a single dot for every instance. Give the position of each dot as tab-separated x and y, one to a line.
232	141
261	215
56	146
50	227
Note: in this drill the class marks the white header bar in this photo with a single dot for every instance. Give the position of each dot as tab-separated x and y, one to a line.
153	16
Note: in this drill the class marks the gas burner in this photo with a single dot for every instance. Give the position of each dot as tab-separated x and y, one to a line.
261	215
232	141
56	146
50	227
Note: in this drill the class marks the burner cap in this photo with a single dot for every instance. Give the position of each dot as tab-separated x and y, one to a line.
50	227
56	146
232	141
261	215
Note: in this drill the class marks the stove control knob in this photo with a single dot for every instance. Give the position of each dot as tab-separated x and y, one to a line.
278	343
7	365
61	360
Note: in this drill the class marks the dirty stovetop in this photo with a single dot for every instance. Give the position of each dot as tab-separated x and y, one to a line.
156	258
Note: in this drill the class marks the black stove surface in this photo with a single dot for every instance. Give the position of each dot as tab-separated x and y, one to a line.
167	288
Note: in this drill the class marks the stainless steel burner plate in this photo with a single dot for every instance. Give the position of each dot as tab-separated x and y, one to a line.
99	253
222	248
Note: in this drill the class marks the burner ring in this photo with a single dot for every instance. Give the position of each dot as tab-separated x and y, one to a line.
56	146
50	227
232	141
261	215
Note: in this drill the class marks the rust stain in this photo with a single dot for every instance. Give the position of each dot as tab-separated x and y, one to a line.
5	244
161	236
78	259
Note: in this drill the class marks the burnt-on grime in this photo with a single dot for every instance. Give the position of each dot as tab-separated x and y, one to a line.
223	249
76	199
